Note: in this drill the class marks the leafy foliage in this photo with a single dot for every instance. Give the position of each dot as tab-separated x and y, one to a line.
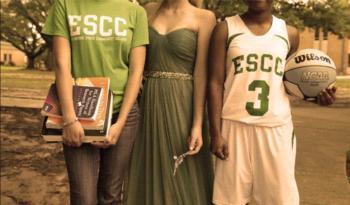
330	15
21	25
22	20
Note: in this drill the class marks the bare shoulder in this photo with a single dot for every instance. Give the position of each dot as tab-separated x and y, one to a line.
293	36
205	20
292	31
151	7
205	16
221	31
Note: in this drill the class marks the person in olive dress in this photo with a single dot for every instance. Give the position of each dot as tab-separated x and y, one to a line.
172	110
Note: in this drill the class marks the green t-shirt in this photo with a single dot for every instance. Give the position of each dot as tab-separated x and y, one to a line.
101	34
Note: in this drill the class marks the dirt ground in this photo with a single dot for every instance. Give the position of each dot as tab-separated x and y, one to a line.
33	172
323	137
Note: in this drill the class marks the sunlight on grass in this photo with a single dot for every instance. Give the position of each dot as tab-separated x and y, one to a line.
10	68
18	77
342	83
15	77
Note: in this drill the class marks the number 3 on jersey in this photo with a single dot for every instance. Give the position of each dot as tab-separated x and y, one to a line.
262	97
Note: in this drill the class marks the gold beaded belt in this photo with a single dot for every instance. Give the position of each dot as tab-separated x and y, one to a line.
168	75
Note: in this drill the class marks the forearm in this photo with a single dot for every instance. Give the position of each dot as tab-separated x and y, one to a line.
131	91
64	83
215	103
64	86
207	23
134	82
199	99
217	59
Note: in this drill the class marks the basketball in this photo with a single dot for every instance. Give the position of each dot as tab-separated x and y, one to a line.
308	72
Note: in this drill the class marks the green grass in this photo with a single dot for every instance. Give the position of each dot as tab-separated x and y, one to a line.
343	83
15	77
10	68
18	77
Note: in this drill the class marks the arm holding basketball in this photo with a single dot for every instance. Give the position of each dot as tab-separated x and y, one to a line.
327	96
216	78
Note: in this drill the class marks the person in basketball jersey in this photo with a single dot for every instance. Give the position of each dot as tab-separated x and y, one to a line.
249	111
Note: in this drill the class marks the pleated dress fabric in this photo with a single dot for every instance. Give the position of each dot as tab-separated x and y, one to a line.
165	126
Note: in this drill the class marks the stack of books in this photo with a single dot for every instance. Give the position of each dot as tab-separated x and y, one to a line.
93	104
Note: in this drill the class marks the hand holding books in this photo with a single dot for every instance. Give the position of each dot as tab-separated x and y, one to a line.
73	134
93	108
112	138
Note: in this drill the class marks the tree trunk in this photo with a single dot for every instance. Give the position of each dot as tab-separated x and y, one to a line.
50	60
31	63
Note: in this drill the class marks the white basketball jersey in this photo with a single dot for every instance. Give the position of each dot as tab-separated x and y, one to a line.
254	92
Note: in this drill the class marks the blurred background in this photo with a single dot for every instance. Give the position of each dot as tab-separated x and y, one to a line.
33	172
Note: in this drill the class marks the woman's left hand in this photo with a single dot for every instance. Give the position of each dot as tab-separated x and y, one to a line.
114	133
113	136
195	141
327	96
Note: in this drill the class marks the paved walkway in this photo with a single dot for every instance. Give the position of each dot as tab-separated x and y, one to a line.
21	97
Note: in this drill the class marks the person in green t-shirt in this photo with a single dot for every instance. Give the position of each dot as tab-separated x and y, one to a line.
90	39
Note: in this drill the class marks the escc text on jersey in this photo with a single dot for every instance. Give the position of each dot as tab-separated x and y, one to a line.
92	25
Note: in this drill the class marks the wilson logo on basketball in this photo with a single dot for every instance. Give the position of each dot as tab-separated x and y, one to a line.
310	57
315	76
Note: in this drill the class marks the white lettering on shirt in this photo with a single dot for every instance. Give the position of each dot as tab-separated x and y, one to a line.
119	20
103	23
91	26
73	23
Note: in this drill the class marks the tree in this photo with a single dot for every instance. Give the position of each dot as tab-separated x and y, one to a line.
224	8
23	20
328	15
21	24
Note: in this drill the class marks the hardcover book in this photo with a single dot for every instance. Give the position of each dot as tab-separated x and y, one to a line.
98	123
86	100
55	135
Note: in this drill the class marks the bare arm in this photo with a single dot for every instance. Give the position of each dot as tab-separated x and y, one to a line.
293	35
217	61
206	25
73	134
137	61
61	50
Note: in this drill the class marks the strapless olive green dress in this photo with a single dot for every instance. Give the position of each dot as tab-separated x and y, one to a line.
165	126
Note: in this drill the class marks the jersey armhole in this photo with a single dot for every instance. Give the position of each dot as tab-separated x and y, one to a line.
228	22
281	32
285	26
232	29
289	45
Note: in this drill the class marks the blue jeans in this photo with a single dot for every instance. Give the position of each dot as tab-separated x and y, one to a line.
96	175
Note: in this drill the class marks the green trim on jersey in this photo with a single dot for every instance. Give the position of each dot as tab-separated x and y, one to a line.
284	39
231	38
